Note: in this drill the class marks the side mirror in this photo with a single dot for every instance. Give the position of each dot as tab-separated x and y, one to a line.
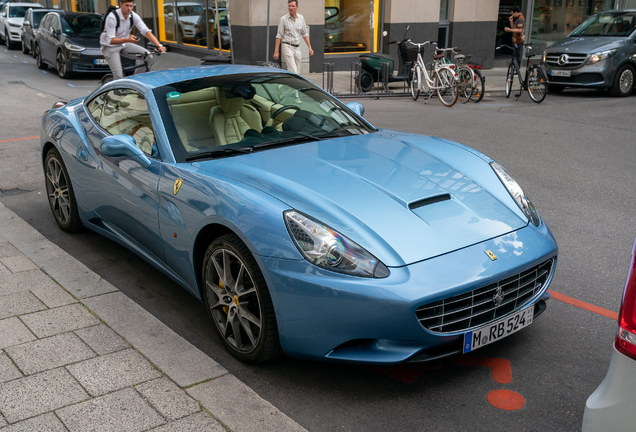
124	145
170	15
26	23
356	107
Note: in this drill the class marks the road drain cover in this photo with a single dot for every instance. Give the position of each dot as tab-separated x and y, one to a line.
11	192
16	82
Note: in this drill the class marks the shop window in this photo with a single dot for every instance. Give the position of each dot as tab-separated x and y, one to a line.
552	20
194	23
347	26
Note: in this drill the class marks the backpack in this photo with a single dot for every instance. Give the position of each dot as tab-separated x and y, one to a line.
110	9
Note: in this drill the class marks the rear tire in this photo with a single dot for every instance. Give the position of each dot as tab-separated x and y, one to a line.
509	80
446	86
623	82
466	79
238	301
537	84
416	79
38	59
479	87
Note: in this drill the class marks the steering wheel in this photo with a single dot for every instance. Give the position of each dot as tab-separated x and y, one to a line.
283	108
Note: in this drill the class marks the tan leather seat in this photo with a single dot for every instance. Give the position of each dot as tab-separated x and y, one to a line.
230	119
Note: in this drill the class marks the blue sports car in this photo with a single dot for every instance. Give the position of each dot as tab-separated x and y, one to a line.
303	228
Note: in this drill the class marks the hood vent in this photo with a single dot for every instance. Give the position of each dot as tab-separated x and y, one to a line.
429	201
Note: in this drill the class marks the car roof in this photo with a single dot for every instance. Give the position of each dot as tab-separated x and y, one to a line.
31	5
156	79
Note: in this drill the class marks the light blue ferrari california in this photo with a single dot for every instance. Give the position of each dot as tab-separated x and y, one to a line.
304	229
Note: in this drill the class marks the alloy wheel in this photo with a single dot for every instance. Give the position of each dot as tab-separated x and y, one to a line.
58	191
626	82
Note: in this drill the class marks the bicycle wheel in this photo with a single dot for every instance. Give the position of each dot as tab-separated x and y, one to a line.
416	79
509	78
478	87
537	84
465	75
446	86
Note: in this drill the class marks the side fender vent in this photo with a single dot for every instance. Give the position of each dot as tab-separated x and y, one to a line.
429	201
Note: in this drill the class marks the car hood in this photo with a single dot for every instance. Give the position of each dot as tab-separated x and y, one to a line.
189	19
87	41
383	190
17	21
586	44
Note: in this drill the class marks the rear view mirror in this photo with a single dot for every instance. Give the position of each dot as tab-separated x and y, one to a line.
356	107
124	145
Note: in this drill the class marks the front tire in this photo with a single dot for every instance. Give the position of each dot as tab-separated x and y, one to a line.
364	81
238	301
509	79
25	47
7	39
415	84
537	84
60	193
623	82
446	86
61	65
38	59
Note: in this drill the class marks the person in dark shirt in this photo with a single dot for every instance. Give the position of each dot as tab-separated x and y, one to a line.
517	28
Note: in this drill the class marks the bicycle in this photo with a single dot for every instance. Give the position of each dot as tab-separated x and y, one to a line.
535	81
443	78
142	56
465	74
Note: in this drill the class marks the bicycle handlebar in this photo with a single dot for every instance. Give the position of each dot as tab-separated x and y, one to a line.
507	46
422	43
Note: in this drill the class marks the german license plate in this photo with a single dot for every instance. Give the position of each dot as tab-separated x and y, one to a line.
101	62
493	332
561	73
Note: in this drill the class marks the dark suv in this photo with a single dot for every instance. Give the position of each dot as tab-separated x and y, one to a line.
600	53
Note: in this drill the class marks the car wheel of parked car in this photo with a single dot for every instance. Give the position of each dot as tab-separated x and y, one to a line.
60	192
25	47
554	88
61	64
38	58
238	301
623	82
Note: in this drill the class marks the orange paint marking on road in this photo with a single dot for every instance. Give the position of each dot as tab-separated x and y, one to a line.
501	370
506	400
584	305
19	139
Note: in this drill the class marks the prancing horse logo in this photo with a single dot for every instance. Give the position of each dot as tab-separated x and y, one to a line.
177	185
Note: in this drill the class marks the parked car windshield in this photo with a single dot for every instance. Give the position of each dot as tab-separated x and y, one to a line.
36	18
613	24
18	11
278	109
81	24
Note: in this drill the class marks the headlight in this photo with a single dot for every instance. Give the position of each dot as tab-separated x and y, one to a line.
330	250
544	54
15	25
72	47
522	200
597	57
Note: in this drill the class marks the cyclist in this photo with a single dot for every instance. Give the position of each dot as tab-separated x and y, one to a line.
517	27
116	40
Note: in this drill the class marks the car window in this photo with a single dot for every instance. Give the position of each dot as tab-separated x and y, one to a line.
55	24
124	111
36	19
18	11
613	24
81	24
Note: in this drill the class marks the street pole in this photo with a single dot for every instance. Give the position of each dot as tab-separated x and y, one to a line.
267	35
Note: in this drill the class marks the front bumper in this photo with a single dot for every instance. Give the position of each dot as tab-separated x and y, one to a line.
326	316
84	61
612	406
597	75
15	34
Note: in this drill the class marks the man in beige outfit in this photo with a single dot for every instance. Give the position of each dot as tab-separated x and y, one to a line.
291	29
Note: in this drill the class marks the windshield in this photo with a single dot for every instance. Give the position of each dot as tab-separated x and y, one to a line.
193	10
81	24
614	24
36	18
18	11
209	117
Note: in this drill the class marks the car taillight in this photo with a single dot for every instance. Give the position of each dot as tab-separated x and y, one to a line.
626	335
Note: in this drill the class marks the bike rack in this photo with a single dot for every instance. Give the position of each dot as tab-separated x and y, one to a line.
328	69
381	84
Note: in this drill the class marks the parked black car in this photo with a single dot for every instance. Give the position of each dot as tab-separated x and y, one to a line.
30	28
69	41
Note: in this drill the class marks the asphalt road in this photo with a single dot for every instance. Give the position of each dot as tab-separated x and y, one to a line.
574	154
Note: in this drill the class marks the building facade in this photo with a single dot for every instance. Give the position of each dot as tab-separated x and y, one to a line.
341	30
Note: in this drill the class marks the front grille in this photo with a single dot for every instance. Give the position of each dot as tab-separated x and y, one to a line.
571	60
478	307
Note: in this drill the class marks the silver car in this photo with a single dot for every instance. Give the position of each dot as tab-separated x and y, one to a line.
600	53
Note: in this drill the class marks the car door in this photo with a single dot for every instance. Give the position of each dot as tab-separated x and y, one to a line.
43	34
3	18
53	40
120	191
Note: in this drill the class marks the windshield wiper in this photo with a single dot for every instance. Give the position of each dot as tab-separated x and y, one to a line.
299	139
220	151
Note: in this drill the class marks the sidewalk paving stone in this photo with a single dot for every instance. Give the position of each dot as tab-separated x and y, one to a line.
36	394
17	264
8	371
8	250
3	422
113	372
19	303
49	353
239	408
53	295
24	281
122	411
102	339
195	423
177	358
3	270
167	398
43	423
14	332
59	320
